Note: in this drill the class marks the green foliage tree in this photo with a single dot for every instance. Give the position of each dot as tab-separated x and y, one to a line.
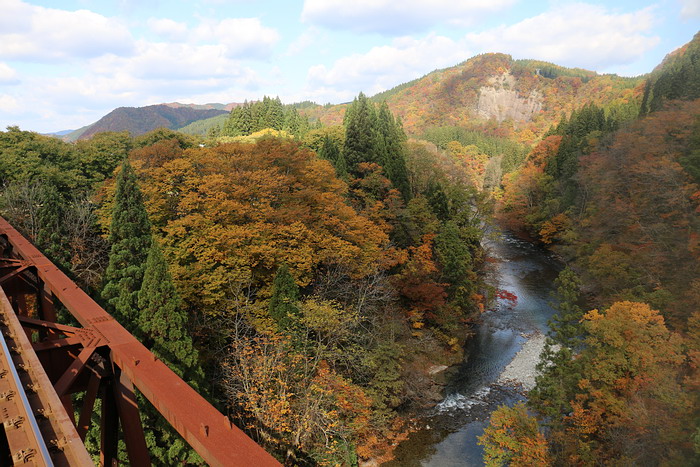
52	236
163	328
130	239
391	152
163	320
678	77
161	134
559	371
454	256
26	156
102	153
331	152
252	117
285	298
437	198
360	137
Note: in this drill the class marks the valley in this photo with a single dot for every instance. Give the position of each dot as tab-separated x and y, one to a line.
349	283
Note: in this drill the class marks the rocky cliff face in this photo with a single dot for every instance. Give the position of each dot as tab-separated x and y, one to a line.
501	101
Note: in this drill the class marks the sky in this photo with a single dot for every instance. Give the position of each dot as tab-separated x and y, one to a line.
64	64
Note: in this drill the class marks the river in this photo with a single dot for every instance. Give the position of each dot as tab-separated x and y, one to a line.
448	433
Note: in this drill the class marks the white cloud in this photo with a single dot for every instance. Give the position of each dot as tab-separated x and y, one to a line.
241	37
172	61
9	104
307	38
204	62
235	37
35	33
691	9
8	75
52	104
384	67
395	18
576	34
168	29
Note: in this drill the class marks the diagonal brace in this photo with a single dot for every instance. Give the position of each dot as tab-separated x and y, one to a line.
66	380
14	273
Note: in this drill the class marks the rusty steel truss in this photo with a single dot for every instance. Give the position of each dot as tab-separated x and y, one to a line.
96	357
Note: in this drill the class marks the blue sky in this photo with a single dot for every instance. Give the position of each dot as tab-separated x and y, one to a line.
64	64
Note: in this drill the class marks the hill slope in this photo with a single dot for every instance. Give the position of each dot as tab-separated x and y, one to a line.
494	88
140	120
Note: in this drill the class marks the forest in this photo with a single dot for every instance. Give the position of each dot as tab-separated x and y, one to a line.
303	267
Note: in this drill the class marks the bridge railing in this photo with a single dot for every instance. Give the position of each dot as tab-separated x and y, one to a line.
103	360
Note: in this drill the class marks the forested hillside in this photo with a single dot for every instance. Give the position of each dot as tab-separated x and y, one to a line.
315	291
495	94
619	200
307	268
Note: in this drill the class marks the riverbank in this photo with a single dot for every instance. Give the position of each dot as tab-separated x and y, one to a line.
499	363
522	370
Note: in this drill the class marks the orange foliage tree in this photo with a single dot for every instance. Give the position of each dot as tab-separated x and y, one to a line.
231	214
630	405
513	438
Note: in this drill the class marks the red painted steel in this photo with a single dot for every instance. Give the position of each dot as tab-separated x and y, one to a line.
58	426
209	432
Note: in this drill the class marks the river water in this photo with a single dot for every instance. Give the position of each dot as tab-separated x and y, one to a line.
448	433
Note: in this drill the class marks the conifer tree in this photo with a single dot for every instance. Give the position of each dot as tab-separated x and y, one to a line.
330	152
456	263
437	199
391	154
163	328
130	237
360	139
559	372
285	297
163	319
274	117
52	237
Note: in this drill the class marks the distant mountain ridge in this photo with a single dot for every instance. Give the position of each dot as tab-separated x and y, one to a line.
140	120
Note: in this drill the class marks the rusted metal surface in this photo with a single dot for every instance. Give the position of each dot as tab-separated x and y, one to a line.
102	339
38	430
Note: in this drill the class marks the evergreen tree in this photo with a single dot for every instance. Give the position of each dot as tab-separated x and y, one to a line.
559	372
130	237
274	117
52	237
437	199
456	263
285	298
360	138
163	326
239	122
391	150
292	122
330	152
163	318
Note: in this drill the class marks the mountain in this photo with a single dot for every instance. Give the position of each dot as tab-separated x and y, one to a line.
202	127
677	77
492	89
60	133
216	106
140	120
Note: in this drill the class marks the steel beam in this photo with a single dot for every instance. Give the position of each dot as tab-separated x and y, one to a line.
209	432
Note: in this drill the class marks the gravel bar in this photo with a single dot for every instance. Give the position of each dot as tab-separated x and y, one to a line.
522	370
